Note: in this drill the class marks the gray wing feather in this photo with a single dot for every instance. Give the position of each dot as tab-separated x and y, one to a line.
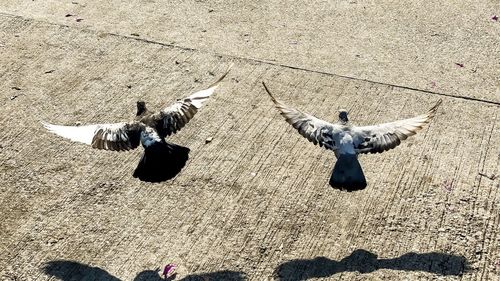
176	116
313	129
379	138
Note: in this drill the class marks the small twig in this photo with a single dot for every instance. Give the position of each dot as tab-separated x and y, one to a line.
492	177
15	96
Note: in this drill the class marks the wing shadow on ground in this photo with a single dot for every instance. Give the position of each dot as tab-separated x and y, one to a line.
161	162
364	262
74	271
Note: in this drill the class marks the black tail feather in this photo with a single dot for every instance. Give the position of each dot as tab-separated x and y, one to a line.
161	162
347	174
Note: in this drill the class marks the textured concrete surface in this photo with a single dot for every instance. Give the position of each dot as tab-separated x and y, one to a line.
418	44
254	204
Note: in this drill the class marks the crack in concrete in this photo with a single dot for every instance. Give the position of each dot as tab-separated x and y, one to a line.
262	61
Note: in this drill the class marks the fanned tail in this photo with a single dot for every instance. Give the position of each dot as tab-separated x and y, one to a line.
161	161
347	174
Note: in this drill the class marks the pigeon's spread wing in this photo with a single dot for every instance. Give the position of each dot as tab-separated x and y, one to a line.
116	137
176	116
315	130
379	138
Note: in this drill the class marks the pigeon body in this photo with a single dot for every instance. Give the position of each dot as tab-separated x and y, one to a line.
148	128
347	141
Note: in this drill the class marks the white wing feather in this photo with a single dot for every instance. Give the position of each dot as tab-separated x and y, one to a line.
83	134
197	99
115	136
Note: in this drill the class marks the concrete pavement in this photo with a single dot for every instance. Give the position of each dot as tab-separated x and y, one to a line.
254	203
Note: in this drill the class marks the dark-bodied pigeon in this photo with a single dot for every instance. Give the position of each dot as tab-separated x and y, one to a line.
347	140
148	128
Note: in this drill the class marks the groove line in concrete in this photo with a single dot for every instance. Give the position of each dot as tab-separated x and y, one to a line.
263	61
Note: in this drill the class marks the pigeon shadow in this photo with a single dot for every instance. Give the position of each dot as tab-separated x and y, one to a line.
74	271
161	162
225	275
364	262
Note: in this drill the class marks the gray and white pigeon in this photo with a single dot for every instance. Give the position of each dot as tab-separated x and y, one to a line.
161	160
347	141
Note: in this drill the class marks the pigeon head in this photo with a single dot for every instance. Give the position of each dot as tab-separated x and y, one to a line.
343	116
141	107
